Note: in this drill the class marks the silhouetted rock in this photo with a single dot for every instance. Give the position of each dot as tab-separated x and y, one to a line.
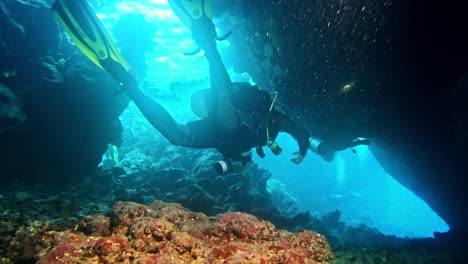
394	72
11	109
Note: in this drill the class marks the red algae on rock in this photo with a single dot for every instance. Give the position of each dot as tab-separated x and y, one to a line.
246	227
170	233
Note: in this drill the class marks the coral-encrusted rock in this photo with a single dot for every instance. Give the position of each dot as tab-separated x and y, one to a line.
245	227
125	214
67	246
170	233
98	225
150	234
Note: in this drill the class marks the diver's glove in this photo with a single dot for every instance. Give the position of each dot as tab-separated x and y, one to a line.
298	159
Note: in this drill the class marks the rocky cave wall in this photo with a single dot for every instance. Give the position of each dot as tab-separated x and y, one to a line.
66	110
406	67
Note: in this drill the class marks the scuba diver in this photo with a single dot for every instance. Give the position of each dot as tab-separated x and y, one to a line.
235	117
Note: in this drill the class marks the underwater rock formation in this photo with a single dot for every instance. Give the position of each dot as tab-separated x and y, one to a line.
285	203
28	32
385	70
11	109
199	189
31	218
71	105
169	233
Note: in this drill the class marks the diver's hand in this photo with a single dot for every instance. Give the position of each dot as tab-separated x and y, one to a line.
298	159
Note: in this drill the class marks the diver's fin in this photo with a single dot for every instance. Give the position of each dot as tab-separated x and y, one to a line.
86	30
190	10
197	16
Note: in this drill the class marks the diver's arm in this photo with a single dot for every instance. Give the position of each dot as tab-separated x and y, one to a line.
159	117
298	132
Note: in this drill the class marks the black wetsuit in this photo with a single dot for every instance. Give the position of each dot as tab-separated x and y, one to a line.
249	133
226	129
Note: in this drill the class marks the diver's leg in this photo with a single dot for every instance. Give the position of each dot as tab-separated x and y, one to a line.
221	89
204	33
158	116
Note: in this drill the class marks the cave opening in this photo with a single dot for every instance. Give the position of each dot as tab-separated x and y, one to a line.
358	186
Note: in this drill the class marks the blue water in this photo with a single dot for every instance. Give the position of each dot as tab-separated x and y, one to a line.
353	183
356	184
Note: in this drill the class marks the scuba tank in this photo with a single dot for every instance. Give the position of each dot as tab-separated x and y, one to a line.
321	148
225	166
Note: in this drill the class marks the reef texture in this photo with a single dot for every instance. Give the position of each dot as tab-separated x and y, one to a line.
170	233
31	219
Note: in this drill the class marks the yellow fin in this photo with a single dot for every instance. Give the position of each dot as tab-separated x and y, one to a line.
188	10
88	33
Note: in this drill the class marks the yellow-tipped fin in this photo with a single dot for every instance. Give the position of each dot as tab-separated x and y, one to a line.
88	33
189	10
